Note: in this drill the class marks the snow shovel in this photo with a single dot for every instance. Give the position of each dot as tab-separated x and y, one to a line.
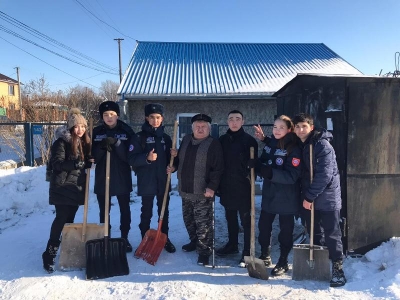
75	235
317	266
154	241
106	257
255	266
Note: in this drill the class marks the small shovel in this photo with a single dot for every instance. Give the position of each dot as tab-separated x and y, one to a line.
106	257
255	266
75	235
154	241
317	267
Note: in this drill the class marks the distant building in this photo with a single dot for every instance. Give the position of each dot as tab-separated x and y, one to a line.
9	95
214	78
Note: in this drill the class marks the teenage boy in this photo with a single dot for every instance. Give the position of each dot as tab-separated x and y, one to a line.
323	192
235	187
113	136
150	157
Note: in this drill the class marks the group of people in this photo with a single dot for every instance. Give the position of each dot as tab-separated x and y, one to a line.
206	167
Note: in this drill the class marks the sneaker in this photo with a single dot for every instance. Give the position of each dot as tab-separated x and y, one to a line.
242	263
169	247
266	259
203	260
227	249
280	268
338	278
189	247
128	246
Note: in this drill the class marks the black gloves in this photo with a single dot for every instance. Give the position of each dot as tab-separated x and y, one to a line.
251	163
266	171
79	164
107	143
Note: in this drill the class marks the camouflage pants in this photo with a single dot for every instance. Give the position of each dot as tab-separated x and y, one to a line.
197	215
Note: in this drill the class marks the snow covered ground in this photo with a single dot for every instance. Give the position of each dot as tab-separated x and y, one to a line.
25	219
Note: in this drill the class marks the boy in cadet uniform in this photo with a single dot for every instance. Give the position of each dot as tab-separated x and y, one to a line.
150	157
113	136
324	192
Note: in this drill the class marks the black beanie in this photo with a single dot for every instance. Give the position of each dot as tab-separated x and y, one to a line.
153	108
108	105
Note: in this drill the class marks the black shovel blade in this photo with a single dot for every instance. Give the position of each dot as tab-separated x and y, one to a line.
256	268
105	258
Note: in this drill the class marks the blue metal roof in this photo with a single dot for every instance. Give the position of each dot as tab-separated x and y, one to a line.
223	69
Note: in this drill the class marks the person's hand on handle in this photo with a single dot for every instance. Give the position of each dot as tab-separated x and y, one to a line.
307	205
208	193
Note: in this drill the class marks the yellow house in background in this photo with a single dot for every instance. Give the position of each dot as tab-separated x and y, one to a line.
9	95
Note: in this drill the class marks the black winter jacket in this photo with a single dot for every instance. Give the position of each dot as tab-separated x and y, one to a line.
281	193
151	176
235	188
325	189
120	170
67	185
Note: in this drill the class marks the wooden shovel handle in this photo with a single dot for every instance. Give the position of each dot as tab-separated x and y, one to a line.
85	207
252	213
312	207
171	162
107	196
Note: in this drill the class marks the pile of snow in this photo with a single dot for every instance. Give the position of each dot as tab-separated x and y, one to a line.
26	217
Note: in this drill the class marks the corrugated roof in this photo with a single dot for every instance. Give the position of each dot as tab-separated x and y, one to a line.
223	69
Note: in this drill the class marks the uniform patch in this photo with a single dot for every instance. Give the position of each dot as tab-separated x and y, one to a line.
295	161
269	162
279	161
131	147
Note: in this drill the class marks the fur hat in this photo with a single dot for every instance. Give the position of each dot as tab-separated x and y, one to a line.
75	118
153	108
201	117
108	105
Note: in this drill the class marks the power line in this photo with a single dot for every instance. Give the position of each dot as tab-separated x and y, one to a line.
51	51
48	39
49	64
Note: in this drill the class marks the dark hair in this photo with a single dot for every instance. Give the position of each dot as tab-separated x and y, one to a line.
289	141
235	111
303	117
80	146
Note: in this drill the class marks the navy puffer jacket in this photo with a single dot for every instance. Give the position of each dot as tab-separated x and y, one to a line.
281	193
325	188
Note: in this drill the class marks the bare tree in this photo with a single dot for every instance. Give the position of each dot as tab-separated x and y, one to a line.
109	90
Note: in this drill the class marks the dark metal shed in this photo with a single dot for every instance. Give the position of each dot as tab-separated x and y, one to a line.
363	114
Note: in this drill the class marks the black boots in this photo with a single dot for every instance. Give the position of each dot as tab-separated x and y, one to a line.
190	247
49	256
229	248
169	247
128	245
338	278
281	267
266	256
203	260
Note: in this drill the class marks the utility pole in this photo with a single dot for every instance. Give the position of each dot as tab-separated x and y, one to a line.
119	52
19	92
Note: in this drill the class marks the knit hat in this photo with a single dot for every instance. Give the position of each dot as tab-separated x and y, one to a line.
201	117
75	118
108	105
153	108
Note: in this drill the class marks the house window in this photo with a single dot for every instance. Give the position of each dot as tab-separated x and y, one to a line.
11	91
185	125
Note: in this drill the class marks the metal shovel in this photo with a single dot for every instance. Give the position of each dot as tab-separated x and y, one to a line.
255	266
311	262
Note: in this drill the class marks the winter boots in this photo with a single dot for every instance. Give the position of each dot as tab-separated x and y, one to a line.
169	247
203	260
190	247
49	256
338	278
128	245
229	248
281	267
266	256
